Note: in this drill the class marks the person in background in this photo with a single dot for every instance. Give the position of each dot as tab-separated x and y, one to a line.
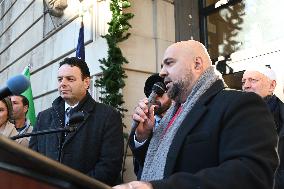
7	128
162	102
96	147
262	81
211	137
20	109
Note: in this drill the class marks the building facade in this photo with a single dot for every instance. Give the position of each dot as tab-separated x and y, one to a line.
41	33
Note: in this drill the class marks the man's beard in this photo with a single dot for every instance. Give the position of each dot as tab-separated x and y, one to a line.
180	89
175	92
160	109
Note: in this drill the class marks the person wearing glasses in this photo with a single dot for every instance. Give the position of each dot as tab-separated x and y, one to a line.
262	81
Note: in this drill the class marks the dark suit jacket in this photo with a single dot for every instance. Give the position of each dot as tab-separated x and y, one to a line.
96	148
227	141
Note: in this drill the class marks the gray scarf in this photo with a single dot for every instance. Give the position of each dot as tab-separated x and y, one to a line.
160	143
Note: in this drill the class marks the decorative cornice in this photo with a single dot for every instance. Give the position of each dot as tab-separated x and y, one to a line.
56	7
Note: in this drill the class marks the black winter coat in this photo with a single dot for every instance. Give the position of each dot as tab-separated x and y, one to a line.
96	148
227	141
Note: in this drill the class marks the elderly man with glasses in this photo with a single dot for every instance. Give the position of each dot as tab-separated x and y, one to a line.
262	81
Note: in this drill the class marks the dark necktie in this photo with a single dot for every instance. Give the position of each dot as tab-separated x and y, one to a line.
67	115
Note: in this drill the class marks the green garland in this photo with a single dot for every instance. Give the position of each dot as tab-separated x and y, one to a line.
113	74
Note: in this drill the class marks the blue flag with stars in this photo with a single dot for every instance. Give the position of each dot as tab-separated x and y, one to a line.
80	50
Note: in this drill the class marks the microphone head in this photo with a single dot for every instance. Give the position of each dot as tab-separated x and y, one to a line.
18	84
150	81
159	88
76	117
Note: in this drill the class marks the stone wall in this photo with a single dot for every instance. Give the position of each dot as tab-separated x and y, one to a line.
29	35
153	31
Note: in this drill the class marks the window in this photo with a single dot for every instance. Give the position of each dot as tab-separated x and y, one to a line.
239	25
241	33
95	91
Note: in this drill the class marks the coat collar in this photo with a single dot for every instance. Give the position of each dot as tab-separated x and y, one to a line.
190	121
86	105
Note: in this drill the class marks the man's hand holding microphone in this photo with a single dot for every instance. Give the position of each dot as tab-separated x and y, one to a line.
144	120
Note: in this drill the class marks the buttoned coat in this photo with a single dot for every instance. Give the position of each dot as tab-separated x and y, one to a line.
227	141
95	148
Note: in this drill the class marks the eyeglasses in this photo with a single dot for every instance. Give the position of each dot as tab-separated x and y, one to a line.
251	80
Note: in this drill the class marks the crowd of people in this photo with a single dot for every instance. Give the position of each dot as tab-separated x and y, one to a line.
198	133
13	118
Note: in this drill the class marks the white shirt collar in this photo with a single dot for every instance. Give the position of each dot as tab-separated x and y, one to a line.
67	105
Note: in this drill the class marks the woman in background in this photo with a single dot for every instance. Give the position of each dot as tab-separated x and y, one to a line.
7	128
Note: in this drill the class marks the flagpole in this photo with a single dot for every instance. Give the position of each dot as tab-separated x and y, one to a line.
81	12
82	20
30	66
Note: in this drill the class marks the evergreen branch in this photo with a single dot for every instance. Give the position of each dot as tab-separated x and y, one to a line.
113	74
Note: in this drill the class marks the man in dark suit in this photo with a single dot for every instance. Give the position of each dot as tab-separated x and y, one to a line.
96	147
210	138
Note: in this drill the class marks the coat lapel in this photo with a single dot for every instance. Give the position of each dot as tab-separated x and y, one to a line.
59	116
86	106
190	121
187	125
79	126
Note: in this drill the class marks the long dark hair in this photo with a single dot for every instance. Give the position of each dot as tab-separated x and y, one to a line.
8	103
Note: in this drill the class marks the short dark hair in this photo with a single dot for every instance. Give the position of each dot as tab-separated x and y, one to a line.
81	64
25	101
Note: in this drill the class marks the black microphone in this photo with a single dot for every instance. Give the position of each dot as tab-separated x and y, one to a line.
75	119
15	86
158	89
